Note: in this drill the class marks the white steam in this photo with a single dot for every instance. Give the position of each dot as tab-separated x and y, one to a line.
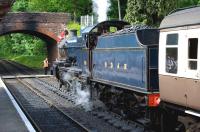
67	77
101	7
82	96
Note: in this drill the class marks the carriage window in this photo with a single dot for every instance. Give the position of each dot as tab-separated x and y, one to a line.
171	60
192	53
172	53
172	39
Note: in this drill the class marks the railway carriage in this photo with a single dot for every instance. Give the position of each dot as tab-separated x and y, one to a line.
179	64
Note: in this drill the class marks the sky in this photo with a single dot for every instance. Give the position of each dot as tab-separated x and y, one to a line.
101	9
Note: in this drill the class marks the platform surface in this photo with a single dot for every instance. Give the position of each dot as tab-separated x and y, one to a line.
10	119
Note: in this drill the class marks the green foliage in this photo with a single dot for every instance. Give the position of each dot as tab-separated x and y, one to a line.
24	49
151	12
113	9
20	5
74	25
75	7
185	3
20	44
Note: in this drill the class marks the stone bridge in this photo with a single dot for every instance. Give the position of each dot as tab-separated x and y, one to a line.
46	26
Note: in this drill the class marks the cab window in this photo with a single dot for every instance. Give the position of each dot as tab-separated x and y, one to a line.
172	53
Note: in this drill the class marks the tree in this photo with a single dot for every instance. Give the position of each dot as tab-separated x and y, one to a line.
20	5
151	12
113	9
21	44
75	7
185	3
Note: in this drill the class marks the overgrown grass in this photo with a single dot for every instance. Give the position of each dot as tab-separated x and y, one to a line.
35	62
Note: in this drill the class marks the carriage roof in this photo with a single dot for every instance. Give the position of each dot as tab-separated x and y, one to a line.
182	17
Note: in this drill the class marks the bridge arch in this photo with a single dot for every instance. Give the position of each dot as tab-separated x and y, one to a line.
46	26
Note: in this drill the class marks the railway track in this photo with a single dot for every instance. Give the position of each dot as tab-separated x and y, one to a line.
97	110
28	90
21	68
13	68
43	113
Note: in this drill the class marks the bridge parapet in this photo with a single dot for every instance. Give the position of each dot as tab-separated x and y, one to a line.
53	23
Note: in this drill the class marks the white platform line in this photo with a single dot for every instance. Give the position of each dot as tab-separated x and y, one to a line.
22	115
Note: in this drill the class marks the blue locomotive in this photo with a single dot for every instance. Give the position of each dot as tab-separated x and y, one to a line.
120	64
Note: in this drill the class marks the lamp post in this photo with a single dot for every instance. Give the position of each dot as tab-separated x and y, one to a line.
119	10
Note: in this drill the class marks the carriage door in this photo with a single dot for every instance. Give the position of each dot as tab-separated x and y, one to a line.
193	69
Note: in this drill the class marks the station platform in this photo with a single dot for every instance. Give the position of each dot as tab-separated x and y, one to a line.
12	119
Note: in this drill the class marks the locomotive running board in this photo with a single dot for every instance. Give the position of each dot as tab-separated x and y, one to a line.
192	113
25	76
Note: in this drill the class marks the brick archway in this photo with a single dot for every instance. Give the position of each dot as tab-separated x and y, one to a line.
46	26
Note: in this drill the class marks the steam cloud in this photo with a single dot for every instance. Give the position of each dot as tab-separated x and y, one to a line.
82	95
101	7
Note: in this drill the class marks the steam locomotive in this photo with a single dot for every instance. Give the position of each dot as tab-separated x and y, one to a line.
119	63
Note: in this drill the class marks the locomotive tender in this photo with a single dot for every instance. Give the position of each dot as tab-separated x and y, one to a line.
121	68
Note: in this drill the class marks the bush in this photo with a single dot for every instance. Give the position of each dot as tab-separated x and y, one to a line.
74	25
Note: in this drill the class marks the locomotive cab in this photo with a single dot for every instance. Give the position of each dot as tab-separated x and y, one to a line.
93	33
103	28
